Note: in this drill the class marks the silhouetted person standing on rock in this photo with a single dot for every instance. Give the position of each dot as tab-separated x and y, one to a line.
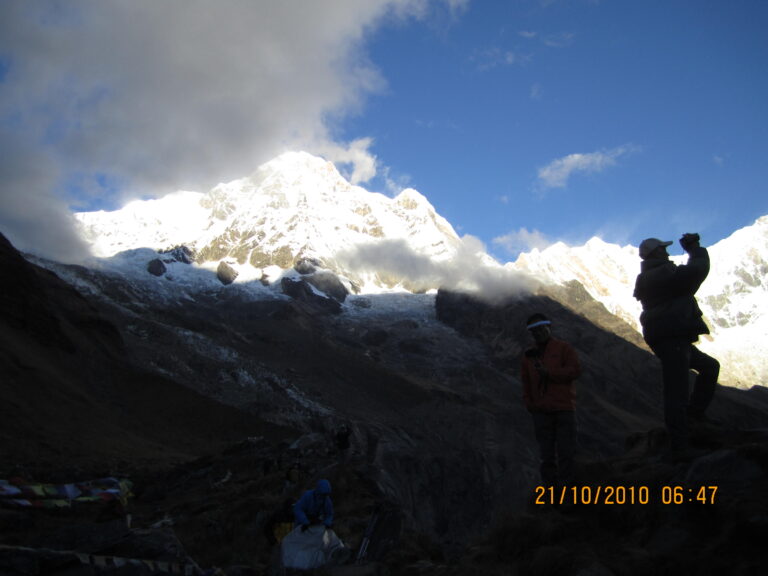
548	372
671	321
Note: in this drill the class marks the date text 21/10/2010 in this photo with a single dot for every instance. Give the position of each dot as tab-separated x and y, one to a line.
618	495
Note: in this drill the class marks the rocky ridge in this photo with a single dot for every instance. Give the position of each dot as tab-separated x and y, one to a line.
221	406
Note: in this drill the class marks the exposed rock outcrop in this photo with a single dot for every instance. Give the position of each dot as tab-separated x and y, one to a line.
619	391
183	254
303	292
307	265
328	283
225	273
156	267
72	395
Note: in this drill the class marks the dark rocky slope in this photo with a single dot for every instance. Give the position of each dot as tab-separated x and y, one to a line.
73	399
222	408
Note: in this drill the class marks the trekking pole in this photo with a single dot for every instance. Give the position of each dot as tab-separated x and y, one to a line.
363	551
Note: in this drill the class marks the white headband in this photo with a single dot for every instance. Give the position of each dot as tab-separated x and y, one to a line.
539	323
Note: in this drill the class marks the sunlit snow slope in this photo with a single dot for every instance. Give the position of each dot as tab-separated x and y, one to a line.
299	206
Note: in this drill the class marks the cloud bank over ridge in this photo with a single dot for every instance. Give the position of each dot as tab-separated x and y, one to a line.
466	271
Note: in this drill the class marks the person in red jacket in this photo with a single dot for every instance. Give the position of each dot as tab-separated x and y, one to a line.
548	371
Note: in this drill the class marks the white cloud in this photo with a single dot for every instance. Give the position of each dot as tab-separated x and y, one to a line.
554	40
494	57
395	183
467	271
556	173
177	94
561	40
356	155
29	211
522	240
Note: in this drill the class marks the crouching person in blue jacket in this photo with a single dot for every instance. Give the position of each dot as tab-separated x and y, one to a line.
315	506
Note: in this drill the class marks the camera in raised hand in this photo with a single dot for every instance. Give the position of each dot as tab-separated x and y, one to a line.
689	241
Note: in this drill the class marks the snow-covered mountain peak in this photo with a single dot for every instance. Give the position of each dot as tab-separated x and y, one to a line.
589	263
295	206
301	163
412	199
299	173
144	223
299	206
597	244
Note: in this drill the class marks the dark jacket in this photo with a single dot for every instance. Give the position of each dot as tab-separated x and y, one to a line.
666	292
313	508
556	392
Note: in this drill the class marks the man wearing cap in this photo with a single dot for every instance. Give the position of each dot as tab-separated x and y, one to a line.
548	371
671	321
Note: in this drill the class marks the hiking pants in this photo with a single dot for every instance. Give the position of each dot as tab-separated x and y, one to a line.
708	370
556	435
678	357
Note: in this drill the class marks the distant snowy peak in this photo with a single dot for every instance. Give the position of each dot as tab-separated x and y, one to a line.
144	223
595	260
605	270
735	291
733	298
294	206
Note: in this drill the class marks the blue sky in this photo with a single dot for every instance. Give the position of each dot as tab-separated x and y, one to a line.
666	102
523	122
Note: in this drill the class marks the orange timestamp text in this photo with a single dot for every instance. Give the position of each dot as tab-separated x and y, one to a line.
620	494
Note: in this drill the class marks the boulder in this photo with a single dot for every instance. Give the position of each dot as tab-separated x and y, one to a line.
156	267
225	273
303	292
307	265
330	284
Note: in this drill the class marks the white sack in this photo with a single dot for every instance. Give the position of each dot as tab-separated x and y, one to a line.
311	549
